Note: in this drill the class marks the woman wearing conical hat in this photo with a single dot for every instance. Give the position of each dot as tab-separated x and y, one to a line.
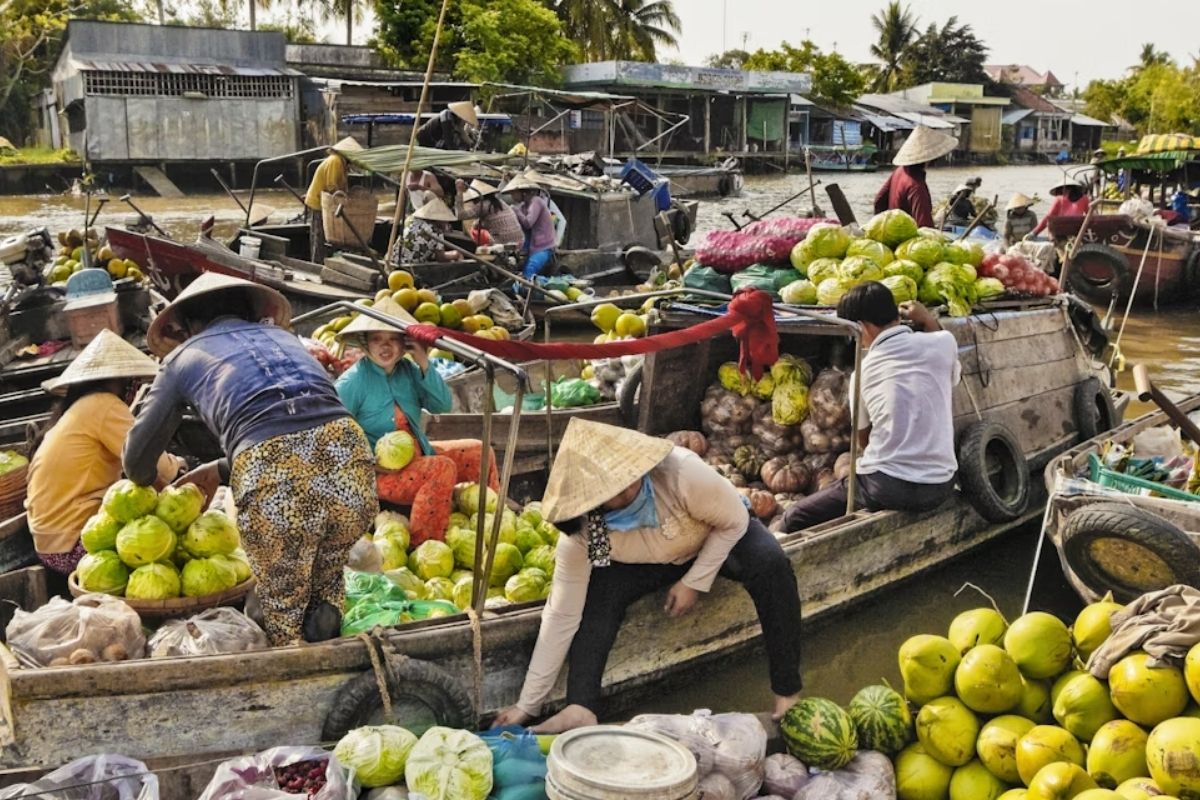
642	515
77	454
481	201
302	474
906	189
1019	219
1070	200
427	224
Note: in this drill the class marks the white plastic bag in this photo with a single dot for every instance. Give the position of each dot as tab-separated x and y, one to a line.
209	633
95	627
784	774
735	745
868	776
253	777
102	777
364	556
1160	441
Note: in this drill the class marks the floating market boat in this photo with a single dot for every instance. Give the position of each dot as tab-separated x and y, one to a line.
1029	391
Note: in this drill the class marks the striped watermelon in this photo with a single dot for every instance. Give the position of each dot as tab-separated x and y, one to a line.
819	733
882	718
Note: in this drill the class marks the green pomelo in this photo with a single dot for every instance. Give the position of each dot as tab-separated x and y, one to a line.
1060	780
1040	644
997	745
1093	626
1139	789
1035	701
1191	672
973	781
920	776
1083	706
947	729
927	664
1015	794
975	627
1061	681
1098	794
987	680
1046	744
1147	695
1117	753
1173	755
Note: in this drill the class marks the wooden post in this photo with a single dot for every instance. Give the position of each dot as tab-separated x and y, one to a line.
787	130
707	124
745	123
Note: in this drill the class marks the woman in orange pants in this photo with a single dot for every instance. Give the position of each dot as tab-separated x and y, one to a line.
386	392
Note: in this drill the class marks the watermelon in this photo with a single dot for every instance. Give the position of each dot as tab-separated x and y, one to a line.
882	719
819	733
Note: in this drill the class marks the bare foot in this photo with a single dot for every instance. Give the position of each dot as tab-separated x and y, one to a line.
569	718
782	704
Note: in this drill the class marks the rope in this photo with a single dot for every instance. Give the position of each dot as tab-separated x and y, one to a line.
477	659
1132	292
381	677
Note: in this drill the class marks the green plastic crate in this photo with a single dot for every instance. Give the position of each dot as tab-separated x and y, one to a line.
1111	479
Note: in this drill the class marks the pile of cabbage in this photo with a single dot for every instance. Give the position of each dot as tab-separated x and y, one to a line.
443	764
914	263
147	545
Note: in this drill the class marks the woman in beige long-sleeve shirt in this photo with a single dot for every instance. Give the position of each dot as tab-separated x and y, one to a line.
673	521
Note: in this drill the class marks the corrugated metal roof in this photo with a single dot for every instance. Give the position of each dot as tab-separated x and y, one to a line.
1084	119
159	67
928	120
1015	116
885	122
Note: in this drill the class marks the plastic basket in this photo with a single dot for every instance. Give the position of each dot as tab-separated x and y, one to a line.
639	176
1111	479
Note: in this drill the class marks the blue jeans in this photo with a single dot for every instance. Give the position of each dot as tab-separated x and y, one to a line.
536	263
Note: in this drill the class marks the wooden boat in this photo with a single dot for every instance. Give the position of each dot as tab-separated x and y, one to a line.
1021	369
836	158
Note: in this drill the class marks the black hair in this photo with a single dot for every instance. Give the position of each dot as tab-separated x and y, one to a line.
570	527
36	434
201	311
1074	193
869	302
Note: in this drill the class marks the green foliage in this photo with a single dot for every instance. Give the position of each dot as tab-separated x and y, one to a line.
511	41
629	30
1157	96
835	80
730	59
951	53
404	32
897	28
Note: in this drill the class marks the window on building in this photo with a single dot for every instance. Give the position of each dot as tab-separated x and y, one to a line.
179	84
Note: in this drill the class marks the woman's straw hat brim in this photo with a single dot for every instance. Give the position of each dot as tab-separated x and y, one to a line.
164	334
479	190
349	145
521	182
1068	183
356	332
107	357
595	463
924	145
465	110
435	211
1019	200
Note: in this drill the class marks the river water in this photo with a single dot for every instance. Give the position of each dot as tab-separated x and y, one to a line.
858	647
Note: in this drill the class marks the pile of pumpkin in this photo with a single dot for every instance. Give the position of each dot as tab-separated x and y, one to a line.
776	439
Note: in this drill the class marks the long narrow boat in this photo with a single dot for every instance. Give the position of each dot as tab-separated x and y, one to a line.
1023	369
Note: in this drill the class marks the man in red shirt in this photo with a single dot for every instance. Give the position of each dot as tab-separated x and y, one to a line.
905	188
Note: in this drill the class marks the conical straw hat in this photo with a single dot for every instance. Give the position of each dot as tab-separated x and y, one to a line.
1066	184
435	210
479	190
522	181
164	336
923	145
349	145
106	357
465	110
595	463
356	332
1019	200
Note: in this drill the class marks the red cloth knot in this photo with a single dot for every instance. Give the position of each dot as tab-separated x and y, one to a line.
758	340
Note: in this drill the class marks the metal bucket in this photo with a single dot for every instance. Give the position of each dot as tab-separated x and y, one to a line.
608	762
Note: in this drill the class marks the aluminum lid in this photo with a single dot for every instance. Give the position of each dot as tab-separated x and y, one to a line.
608	761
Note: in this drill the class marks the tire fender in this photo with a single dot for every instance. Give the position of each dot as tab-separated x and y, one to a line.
992	471
1093	409
628	398
410	682
1095	292
1127	550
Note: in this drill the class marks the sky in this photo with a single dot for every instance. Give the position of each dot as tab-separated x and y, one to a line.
1077	39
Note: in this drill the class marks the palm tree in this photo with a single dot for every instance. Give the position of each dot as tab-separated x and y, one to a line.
619	29
897	27
347	9
1152	56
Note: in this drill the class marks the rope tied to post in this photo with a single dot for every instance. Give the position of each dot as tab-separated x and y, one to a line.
750	318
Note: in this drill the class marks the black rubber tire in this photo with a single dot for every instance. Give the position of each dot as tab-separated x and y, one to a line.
639	262
992	472
725	186
1148	552
411	679
1093	409
628	398
1099	291
681	226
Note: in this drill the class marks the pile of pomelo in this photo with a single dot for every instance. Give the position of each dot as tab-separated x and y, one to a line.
1009	711
617	323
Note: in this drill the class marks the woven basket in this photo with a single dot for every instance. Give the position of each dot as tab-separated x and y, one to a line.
358	207
13	487
176	606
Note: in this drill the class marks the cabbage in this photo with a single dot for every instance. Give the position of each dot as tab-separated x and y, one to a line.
974	254
830	291
99	532
205	576
439	589
799	293
211	534
507	562
395	450
462	544
153	582
549	532
466	499
905	267
461	595
827	240
541	558
821	269
527	585
924	250
396	530
241	564
125	501
392	552
789	404
449	764
951	284
988	288
414	588
791	369
859	269
878	252
178	506
102	572
891	227
902	287
732	378
508	526
376	753
431	559
145	541
458	520
801	257
527	538
459	573
955	253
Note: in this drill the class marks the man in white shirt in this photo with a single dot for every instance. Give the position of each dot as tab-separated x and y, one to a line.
908	461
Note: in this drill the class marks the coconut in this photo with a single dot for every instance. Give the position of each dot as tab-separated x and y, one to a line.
927	664
1191	672
1014	794
1092	627
1098	794
987	680
997	745
1061	681
1117	753
1083	705
947	729
975	627
1046	744
1040	644
1139	789
973	781
1035	701
1173	755
920	776
1060	780
1147	695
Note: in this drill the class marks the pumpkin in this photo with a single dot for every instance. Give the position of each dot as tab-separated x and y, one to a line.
748	461
784	476
692	440
762	504
841	467
731	474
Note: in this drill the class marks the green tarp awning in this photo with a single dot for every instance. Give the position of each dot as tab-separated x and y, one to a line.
1158	162
389	159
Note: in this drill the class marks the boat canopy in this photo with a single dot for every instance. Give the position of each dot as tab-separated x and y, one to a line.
389	159
575	100
1166	161
1168	142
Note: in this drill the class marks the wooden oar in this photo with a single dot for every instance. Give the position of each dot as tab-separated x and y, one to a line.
1147	391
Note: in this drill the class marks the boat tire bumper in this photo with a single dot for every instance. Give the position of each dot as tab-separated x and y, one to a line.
992	472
